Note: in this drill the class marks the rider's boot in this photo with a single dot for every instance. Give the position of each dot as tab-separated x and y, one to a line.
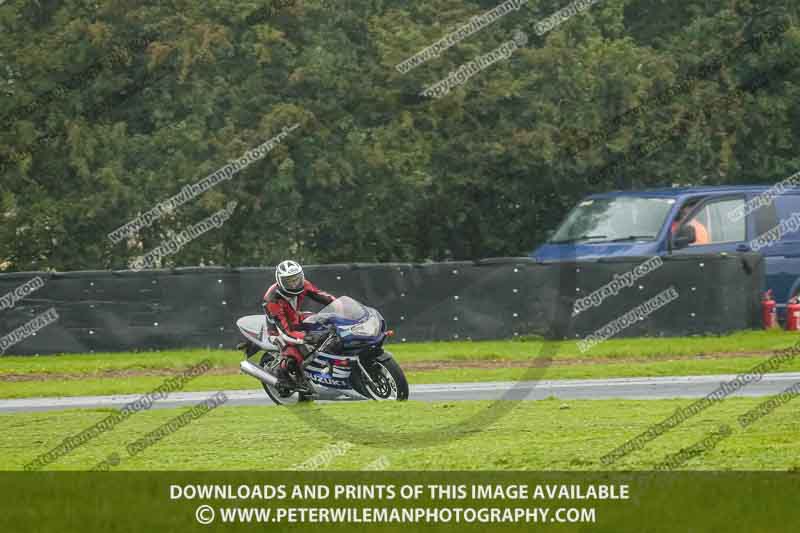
282	373
289	376
296	373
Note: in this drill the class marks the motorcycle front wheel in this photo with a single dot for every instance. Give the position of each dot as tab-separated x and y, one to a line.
388	382
280	395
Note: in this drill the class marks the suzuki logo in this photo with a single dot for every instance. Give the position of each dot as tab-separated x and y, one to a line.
328	381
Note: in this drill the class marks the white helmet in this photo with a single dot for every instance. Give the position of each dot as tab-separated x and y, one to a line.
290	278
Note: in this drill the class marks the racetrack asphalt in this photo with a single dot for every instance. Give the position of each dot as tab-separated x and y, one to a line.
567	389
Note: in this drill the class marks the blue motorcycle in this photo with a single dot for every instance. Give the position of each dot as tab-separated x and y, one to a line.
346	361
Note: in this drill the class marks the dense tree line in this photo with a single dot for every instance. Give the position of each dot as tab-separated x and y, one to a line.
111	107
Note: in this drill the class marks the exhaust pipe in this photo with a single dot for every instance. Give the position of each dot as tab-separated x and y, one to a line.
252	370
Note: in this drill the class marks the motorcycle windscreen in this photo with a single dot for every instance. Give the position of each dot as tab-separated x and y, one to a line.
343	308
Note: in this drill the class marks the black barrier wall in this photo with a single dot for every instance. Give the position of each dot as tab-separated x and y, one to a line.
488	299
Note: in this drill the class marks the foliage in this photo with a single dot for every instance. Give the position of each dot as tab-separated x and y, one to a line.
112	107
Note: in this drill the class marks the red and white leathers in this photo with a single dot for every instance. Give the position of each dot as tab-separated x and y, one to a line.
285	316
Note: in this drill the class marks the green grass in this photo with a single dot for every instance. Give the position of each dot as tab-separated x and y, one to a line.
99	362
541	435
746	341
83	374
749	341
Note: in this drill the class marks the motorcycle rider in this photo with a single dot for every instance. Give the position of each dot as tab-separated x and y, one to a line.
282	303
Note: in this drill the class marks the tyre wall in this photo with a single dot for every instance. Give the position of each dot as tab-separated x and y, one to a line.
488	299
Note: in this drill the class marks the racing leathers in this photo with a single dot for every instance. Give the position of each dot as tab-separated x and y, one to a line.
284	317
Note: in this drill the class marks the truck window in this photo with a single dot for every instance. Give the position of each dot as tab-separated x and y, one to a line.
714	219
788	205
619	218
766	217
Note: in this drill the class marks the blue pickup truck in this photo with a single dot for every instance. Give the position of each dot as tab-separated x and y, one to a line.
690	220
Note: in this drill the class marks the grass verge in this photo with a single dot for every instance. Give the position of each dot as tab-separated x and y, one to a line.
541	435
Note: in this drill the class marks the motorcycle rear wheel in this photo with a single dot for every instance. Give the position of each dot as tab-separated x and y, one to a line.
280	395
